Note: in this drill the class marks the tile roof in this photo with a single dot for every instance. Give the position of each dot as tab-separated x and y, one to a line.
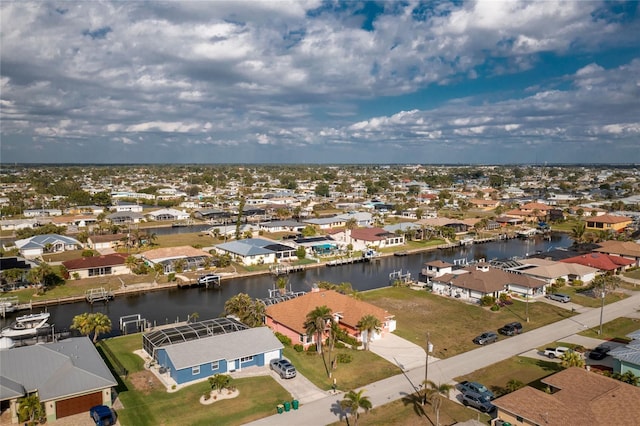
536	206
623	248
293	313
602	261
584	398
114	259
370	234
608	218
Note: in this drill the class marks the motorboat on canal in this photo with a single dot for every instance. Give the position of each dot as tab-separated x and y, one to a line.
27	326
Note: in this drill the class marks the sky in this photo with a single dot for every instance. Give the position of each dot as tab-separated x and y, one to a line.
436	82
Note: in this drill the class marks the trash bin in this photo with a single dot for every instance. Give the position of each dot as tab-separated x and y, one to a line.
280	408
287	406
294	404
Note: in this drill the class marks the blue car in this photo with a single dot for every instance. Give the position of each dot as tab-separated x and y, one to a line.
102	415
474	387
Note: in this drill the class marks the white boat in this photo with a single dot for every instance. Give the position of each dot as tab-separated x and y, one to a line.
27	326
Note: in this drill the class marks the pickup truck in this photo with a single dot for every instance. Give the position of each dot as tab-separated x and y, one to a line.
556	352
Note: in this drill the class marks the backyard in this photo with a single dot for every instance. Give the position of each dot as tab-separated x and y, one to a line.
147	402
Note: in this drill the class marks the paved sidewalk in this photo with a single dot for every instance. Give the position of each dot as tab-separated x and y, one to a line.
327	410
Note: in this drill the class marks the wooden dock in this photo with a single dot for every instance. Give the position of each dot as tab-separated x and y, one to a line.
98	295
280	269
348	260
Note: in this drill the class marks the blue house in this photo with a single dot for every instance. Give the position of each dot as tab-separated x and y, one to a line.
199	350
627	358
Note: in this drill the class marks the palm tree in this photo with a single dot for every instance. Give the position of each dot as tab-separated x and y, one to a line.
179	265
238	305
316	323
281	283
131	262
30	408
572	359
434	393
629	377
354	401
514	385
87	324
577	232
368	324
219	382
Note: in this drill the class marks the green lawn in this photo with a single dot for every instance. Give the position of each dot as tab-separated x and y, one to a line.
588	301
614	330
146	402
452	323
365	367
526	370
635	274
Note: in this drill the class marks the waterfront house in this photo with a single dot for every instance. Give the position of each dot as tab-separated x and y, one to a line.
363	238
123	218
192	258
106	242
195	351
68	376
124	207
168	214
256	251
474	282
327	222
281	226
96	266
550	271
575	397
436	268
607	222
288	317
38	245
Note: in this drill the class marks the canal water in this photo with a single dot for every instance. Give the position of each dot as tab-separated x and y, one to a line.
163	307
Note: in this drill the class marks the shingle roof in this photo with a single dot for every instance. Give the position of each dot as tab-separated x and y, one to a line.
488	280
248	247
174	252
39	241
624	248
292	313
584	398
95	261
370	234
239	344
601	261
55	370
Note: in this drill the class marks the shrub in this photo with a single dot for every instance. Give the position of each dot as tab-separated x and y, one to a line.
560	282
76	276
577	283
87	253
487	300
298	347
171	277
504	297
340	345
285	340
206	395
344	358
349	340
495	308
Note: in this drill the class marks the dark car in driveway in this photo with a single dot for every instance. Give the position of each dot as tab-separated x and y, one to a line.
600	352
511	329
477	401
486	338
474	387
102	415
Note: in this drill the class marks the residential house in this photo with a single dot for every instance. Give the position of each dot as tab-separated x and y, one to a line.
550	271
483	204
38	245
626	249
96	266
458	226
626	358
530	212
576	397
68	376
436	268
327	222
601	261
607	222
123	218
202	349
361	218
192	258
106	242
123	207
16	224
168	214
476	281
41	212
363	238
257	251
281	226
288	317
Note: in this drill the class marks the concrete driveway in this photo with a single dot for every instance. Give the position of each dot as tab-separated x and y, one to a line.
400	352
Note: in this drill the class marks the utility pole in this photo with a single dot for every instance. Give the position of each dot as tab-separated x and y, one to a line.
526	296
601	310
426	368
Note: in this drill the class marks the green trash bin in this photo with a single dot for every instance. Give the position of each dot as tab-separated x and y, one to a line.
287	406
280	408
294	404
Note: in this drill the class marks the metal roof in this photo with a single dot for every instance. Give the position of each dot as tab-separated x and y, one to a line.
189	332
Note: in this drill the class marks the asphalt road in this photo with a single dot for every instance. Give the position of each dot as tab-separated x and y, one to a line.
327	410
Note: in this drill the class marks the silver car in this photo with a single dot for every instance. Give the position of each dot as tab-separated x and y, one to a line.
559	297
283	367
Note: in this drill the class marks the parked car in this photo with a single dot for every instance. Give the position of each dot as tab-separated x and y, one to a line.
556	352
283	367
475	387
486	338
600	352
558	297
477	401
102	415
511	329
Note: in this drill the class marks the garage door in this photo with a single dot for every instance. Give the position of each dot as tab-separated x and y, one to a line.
79	404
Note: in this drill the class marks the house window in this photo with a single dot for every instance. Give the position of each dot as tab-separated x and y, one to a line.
215	365
303	338
195	370
246	359
518	418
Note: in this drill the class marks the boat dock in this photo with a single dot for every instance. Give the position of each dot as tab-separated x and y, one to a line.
8	304
280	269
347	260
98	295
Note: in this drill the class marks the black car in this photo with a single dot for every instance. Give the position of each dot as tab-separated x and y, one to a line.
600	352
486	338
511	329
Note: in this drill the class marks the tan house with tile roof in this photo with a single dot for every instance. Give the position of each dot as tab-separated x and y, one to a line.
607	222
289	317
578	397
